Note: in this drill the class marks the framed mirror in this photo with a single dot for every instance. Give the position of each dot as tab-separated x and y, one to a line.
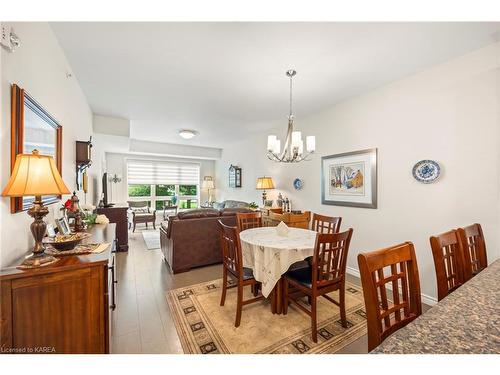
32	127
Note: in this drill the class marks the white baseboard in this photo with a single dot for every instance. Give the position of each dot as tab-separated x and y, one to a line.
428	300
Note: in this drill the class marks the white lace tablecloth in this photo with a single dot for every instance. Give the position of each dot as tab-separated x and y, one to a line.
270	255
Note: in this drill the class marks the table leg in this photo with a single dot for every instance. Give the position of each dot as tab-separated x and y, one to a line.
273	300
277	298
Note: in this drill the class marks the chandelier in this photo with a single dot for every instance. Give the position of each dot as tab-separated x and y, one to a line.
293	151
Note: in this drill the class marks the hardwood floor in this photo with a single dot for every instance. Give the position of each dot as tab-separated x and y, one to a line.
142	322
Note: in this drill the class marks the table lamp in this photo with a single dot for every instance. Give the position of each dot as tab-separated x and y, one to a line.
264	183
208	183
37	175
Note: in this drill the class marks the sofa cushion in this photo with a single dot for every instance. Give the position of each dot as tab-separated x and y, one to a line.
233	211
302	276
235	204
196	214
218	205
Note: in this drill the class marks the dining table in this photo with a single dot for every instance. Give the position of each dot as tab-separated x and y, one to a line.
270	253
466	321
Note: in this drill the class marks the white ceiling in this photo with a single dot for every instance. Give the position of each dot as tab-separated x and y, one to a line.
218	78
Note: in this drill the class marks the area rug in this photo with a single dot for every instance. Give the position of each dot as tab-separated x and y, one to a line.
205	327
152	239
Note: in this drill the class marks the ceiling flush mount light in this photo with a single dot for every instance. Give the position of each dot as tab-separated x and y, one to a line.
293	151
187	134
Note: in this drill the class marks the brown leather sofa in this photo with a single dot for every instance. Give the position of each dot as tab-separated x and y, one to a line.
192	238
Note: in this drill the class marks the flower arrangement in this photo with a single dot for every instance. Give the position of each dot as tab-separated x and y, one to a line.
101	219
89	217
68	205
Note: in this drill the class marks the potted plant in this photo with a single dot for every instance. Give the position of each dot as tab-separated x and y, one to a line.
253	206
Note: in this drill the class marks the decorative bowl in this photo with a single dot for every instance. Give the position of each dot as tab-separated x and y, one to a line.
426	171
66	241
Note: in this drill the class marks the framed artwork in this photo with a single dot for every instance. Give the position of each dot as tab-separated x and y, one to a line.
51	232
63	225
32	127
234	176
350	179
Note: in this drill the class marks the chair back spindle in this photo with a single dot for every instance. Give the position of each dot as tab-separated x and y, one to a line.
248	220
448	261
330	258
474	248
325	224
395	268
231	250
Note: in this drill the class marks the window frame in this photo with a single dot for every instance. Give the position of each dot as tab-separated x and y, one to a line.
153	198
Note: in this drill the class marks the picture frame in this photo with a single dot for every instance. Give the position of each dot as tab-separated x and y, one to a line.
63	226
32	127
350	179
234	176
51	232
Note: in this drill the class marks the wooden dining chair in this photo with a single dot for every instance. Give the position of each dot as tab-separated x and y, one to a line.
326	274
448	262
248	220
383	316
232	261
325	224
474	248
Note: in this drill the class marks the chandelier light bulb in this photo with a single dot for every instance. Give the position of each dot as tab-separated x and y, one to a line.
310	143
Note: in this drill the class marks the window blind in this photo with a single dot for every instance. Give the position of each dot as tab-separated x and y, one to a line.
162	173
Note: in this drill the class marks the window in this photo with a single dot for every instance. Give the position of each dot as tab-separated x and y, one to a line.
157	182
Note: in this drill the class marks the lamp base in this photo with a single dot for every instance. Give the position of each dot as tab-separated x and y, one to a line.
37	260
38	229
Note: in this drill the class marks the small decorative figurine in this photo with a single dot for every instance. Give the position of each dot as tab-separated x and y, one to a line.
280	200
75	212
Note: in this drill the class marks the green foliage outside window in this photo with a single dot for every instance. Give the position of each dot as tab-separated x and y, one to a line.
189	203
188	190
165	190
139	190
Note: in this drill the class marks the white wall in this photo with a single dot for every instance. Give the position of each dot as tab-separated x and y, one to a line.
39	66
117	163
449	113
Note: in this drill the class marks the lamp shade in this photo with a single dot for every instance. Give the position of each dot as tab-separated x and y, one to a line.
207	184
35	174
264	183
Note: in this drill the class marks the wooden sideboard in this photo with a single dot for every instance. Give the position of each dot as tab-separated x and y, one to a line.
61	308
118	215
273	216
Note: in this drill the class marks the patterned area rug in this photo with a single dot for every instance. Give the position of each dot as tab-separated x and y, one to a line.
152	239
205	327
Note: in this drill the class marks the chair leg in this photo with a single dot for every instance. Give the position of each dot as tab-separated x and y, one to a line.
255	290
146	225
314	327
133	230
285	296
239	305
343	317
224	287
154	227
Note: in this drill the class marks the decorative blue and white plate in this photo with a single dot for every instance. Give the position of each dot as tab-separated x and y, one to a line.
298	184
426	171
